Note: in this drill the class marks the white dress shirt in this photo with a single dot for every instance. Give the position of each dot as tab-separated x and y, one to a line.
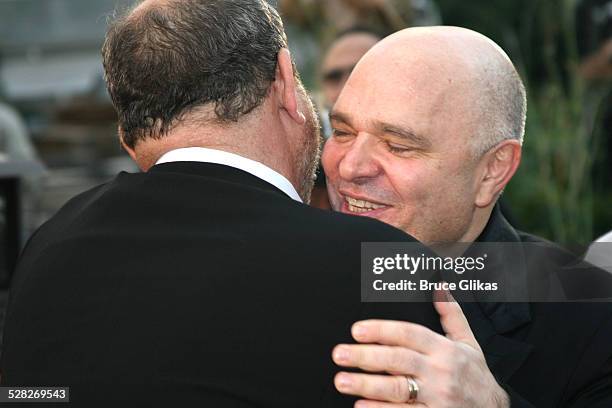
599	253
257	169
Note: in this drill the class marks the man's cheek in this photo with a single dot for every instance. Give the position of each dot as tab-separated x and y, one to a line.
326	160
334	197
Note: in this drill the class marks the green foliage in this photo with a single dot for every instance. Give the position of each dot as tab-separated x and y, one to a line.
553	194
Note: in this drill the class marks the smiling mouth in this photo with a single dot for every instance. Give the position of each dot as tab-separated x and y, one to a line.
357	206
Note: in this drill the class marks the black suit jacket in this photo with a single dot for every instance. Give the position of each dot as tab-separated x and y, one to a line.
546	354
192	284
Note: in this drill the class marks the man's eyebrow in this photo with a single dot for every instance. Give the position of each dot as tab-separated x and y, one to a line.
340	117
384	127
404	133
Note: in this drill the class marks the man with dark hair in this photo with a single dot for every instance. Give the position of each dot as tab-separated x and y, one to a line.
203	281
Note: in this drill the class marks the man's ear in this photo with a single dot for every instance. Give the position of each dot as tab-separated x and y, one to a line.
500	164
127	148
287	87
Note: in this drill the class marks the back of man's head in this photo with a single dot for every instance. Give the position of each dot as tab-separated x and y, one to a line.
166	58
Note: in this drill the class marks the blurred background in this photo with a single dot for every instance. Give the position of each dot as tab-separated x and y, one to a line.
58	131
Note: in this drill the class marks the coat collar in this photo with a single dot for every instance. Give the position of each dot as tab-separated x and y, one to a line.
217	172
255	168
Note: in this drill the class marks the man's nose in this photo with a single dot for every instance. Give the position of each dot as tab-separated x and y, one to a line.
359	162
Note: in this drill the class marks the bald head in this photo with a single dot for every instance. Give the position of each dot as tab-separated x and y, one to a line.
467	72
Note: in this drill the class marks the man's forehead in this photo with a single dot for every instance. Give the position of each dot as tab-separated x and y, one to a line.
411	59
425	99
379	87
433	56
398	127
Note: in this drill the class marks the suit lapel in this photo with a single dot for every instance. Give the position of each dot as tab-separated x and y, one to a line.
497	325
493	330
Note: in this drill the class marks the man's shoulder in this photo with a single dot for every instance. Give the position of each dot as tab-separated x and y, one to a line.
69	213
527	237
74	206
578	277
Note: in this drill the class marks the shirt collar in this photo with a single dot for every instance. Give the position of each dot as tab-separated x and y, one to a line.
257	169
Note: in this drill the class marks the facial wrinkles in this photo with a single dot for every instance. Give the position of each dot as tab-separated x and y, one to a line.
360	173
370	182
360	98
367	189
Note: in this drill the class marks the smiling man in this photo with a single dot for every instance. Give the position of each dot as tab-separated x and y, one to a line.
407	152
427	132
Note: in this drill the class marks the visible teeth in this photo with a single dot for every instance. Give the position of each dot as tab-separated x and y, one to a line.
357	209
359	206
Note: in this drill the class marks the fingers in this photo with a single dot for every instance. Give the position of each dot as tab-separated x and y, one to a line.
454	322
376	358
378	404
396	333
438	364
389	388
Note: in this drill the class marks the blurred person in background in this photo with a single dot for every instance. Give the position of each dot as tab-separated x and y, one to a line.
15	143
594	32
313	23
339	15
17	150
337	63
340	58
19	158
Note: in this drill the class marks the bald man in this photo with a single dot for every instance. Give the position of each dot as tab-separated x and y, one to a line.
426	134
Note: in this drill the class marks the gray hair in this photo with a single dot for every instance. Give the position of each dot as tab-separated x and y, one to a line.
502	105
